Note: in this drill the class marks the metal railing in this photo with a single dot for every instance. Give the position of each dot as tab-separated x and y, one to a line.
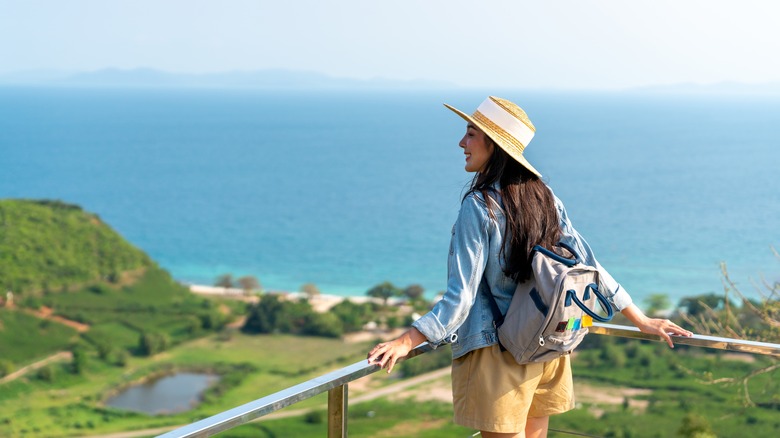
336	384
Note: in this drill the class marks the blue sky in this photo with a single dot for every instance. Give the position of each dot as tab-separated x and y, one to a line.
525	44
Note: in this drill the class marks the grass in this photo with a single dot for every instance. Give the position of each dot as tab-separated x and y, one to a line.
377	418
71	404
25	338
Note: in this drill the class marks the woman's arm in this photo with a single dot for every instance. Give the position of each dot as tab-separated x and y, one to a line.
618	296
656	326
466	265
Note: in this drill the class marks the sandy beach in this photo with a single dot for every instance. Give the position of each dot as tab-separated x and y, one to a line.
320	302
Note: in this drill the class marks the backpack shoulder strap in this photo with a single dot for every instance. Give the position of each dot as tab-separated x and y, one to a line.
498	317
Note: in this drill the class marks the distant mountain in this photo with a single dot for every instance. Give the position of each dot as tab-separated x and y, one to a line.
262	79
736	88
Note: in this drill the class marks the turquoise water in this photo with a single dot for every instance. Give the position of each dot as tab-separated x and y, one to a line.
349	190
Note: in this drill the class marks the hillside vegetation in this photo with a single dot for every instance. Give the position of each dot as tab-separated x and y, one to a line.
66	266
51	245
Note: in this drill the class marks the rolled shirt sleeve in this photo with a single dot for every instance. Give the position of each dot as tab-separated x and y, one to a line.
466	264
615	293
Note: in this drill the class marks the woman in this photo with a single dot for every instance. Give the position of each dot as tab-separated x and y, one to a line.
506	211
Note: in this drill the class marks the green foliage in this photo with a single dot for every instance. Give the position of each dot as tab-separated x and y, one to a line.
313	417
434	360
118	358
310	289
6	367
47	373
224	280
384	291
151	343
79	362
323	324
414	292
249	283
272	314
48	245
154	302
698	304
25	338
354	316
695	426
405	418
657	303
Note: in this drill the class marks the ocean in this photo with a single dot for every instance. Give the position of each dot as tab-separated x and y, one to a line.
347	190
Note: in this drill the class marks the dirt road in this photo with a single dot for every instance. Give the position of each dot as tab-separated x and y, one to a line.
61	356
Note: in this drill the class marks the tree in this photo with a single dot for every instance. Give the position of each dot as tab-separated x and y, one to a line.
310	289
272	314
657	303
414	292
323	324
384	291
699	304
695	426
753	320
79	362
151	343
249	284
352	315
224	280
263	316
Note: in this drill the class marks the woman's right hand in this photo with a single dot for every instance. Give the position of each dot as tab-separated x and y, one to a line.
386	354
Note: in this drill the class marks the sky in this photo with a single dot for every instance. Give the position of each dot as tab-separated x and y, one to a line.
565	44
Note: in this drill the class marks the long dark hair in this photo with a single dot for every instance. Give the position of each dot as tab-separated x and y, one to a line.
529	208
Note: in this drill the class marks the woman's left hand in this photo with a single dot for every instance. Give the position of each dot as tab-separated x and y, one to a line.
656	326
663	328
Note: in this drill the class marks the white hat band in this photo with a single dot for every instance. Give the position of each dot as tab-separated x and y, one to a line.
506	121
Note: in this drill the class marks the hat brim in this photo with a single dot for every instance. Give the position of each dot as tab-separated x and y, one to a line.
497	140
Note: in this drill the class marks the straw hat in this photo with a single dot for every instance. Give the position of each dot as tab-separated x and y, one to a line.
506	124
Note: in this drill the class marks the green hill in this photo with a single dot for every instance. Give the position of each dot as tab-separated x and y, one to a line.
66	267
51	245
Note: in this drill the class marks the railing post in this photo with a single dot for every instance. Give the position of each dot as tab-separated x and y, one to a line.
337	412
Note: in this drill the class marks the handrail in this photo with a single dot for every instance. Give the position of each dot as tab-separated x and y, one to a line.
336	384
286	397
714	342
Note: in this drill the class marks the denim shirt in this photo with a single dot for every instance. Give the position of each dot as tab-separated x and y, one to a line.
463	316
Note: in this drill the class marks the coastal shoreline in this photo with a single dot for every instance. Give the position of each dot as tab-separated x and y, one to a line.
320	302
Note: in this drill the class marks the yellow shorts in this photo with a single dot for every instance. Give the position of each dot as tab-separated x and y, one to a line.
491	392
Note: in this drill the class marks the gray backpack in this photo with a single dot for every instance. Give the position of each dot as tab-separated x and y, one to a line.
550	314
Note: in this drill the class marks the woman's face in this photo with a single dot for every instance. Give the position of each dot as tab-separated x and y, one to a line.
477	148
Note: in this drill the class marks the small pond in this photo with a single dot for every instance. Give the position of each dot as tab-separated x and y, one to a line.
167	395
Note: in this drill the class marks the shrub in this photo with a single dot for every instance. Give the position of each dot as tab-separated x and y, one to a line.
151	343
313	417
46	373
6	367
323	324
79	362
433	360
353	316
120	358
274	315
